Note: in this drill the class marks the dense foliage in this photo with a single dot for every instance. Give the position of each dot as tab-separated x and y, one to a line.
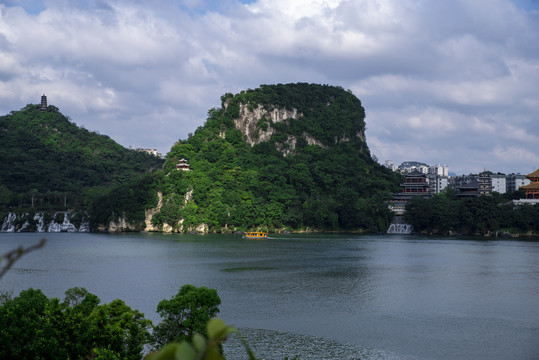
33	326
444	213
48	161
128	200
185	314
332	185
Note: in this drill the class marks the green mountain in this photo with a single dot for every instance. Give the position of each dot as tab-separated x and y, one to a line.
288	156
49	162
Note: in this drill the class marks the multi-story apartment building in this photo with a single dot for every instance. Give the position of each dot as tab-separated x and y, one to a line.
499	183
514	181
389	164
457	181
439	170
437	183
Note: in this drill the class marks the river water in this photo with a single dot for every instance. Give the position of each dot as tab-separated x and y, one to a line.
316	296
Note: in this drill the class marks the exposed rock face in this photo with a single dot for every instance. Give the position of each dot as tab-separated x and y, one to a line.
248	122
150	213
313	141
121	225
256	126
288	147
188	196
166	228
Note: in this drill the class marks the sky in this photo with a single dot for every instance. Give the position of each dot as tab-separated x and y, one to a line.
450	82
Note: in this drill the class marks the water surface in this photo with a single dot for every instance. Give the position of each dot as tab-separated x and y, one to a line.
357	296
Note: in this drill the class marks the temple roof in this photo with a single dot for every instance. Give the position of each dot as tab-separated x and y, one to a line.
474	184
416	173
532	186
534	174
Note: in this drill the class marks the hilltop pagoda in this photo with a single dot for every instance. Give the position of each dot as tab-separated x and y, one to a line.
532	190
43	105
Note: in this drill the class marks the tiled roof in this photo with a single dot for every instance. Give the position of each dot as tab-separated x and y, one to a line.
532	186
414	173
534	174
471	185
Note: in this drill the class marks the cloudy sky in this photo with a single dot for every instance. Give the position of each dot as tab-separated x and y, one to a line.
453	82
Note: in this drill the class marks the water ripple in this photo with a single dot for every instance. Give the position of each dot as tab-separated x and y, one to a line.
269	344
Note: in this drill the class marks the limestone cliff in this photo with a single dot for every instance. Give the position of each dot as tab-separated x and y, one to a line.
249	120
257	124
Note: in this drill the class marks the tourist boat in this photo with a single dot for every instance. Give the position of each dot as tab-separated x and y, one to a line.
255	235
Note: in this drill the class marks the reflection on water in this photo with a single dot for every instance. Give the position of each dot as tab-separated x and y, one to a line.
404	296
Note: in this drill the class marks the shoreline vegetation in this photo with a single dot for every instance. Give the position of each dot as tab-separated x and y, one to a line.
493	233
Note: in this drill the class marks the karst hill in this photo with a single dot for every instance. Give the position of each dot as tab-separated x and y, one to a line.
47	161
290	156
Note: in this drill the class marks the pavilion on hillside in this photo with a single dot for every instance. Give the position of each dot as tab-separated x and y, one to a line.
182	165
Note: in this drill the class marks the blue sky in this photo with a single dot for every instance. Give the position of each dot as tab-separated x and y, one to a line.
448	82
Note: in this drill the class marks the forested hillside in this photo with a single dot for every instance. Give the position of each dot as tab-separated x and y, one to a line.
48	161
250	168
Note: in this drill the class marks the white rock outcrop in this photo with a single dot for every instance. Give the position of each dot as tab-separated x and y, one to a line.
250	116
150	213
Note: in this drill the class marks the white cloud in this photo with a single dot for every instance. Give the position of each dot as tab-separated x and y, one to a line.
517	154
442	82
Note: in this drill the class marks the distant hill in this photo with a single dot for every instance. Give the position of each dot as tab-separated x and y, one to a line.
48	161
286	156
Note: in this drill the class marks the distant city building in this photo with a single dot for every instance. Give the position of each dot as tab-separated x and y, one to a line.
423	169
153	152
411	166
182	165
43	105
389	164
439	170
499	183
457	181
437	183
515	181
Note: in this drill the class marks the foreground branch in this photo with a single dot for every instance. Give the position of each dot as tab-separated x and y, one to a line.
14	255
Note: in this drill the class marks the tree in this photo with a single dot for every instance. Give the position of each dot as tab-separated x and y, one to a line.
117	327
35	327
5	196
21	320
184	314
